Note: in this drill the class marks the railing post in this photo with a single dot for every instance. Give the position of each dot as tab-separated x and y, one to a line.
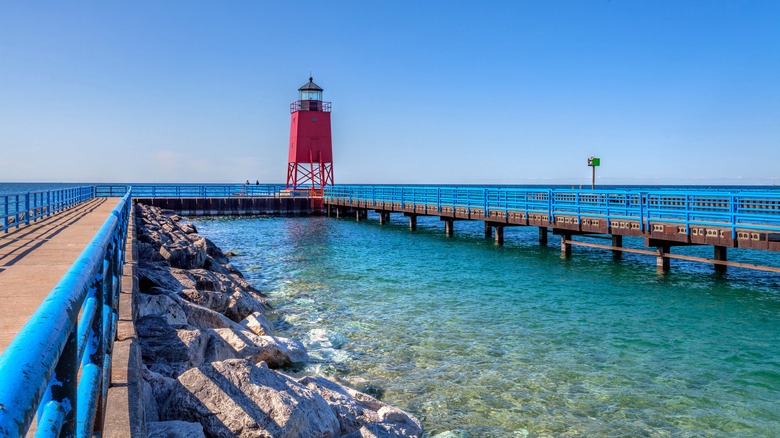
27	208
577	206
550	214
485	200
66	374
733	217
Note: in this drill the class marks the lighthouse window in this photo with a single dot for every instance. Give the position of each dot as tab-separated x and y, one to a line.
311	95
313	119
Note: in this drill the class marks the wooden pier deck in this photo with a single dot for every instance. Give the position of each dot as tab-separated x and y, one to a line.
34	258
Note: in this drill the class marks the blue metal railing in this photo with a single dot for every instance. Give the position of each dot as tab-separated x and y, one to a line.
59	363
194	190
23	208
756	210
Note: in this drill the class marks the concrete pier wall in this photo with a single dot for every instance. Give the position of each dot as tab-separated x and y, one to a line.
238	206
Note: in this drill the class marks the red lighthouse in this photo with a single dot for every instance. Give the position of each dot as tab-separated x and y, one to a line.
311	148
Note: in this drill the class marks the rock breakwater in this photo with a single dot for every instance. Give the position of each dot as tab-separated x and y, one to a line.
212	365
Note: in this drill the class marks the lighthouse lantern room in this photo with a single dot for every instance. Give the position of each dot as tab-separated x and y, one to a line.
310	163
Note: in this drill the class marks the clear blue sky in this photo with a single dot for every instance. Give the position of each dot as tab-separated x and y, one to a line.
512	92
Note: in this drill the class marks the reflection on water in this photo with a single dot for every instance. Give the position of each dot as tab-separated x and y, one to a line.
513	340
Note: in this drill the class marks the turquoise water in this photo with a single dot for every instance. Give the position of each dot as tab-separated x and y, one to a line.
513	340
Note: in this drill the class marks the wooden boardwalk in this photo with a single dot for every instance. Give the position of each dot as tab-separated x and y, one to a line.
33	259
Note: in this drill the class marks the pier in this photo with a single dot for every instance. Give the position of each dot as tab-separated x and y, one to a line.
66	281
663	218
66	277
63	255
35	257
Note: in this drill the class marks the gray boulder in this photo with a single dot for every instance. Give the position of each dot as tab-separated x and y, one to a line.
156	277
215	252
236	398
170	351
221	293
258	324
183	254
275	351
174	429
162	306
361	415
187	228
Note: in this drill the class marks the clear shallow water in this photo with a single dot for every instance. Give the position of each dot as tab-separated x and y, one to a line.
513	340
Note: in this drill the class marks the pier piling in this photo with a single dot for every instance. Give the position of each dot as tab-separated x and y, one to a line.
565	245
412	221
499	234
721	254
617	242
662	261
448	227
543	236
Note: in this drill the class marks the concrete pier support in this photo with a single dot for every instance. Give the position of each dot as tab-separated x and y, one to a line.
338	212
565	246
412	222
449	225
543	236
499	234
662	260
488	230
384	217
721	254
358	215
617	242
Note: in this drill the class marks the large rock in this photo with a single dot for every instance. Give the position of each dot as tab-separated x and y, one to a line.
184	254
155	278
275	351
236	398
170	351
157	389
205	318
221	293
174	429
162	350
362	415
258	324
162	306
215	252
